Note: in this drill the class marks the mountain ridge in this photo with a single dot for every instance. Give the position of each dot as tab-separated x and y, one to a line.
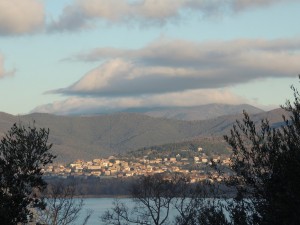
190	113
88	137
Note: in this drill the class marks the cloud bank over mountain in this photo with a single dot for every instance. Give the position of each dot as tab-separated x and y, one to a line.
175	73
166	66
84	105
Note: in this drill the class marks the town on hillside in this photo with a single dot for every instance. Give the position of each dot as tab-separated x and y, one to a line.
197	167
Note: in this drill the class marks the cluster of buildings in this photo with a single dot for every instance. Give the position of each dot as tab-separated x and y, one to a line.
197	167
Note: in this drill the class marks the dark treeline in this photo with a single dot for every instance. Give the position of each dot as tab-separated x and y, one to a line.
94	186
110	187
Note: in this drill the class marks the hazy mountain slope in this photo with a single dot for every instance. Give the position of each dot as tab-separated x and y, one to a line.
97	136
202	112
6	121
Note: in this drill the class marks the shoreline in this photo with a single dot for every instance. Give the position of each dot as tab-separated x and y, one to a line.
102	196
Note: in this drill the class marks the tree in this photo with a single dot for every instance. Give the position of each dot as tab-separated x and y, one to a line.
265	176
198	204
155	196
24	151
193	147
63	207
152	196
266	165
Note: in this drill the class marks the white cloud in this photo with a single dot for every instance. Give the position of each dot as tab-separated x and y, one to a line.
21	16
81	105
81	13
3	72
175	65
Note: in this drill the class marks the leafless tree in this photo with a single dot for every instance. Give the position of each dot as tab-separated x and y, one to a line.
155	196
152	197
63	207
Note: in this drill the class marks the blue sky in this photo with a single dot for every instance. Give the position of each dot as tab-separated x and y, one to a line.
90	56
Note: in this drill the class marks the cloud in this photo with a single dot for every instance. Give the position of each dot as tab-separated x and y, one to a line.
168	51
239	5
172	72
118	77
81	105
175	65
21	16
81	14
3	72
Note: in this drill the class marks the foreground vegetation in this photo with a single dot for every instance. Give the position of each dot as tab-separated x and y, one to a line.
265	177
23	153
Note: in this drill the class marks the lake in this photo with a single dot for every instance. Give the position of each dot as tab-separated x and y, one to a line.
99	206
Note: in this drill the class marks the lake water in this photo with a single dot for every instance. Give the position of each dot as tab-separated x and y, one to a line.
99	206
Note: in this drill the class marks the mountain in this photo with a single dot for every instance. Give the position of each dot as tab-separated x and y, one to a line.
88	137
191	113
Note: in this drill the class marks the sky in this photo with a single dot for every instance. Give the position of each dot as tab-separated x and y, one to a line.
94	56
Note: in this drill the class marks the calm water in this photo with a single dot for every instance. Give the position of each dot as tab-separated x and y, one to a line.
99	206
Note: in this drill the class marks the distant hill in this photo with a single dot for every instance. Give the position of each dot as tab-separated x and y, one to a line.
202	112
88	137
186	149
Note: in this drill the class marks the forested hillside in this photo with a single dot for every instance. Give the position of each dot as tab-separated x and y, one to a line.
88	137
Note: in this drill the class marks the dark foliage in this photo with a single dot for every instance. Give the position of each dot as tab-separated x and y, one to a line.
95	186
23	154
266	162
